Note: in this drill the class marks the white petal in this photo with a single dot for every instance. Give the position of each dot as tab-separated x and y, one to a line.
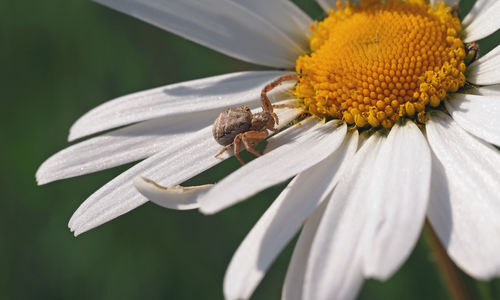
479	7
479	115
186	158
489	90
295	275
174	197
485	22
326	5
301	147
221	25
358	220
486	70
282	220
334	267
122	146
398	193
464	206
170	167
208	94
447	2
285	15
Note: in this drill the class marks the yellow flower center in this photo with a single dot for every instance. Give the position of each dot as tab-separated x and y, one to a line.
374	63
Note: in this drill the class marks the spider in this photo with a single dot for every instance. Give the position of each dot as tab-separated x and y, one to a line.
238	125
472	52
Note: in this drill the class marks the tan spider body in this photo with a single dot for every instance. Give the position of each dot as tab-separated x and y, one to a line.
236	126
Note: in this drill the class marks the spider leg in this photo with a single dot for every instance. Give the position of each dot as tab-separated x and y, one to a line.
251	138
284	106
237	150
275	130
224	149
266	103
275	117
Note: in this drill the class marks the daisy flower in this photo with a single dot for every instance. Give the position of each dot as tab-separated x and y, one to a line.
401	122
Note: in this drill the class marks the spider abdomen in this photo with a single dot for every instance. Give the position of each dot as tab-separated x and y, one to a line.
230	123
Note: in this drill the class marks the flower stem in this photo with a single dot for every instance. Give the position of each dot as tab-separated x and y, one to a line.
448	269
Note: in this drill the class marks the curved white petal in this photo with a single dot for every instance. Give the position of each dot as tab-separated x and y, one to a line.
186	158
464	206
169	168
282	220
447	2
398	193
295	275
334	267
173	197
486	70
300	147
207	94
359	231
489	90
479	7
326	5
221	25
479	115
486	21
122	146
285	15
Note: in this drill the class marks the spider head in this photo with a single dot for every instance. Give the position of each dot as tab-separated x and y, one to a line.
262	120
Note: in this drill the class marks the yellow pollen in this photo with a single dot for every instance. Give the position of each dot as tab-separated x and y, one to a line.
374	63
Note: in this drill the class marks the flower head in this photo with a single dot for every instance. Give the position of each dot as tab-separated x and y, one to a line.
395	122
376	63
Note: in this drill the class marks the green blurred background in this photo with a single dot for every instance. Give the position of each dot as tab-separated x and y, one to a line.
58	60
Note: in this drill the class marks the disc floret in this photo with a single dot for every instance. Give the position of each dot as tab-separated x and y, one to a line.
377	62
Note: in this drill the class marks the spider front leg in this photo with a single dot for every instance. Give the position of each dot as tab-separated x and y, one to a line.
284	106
266	103
252	138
